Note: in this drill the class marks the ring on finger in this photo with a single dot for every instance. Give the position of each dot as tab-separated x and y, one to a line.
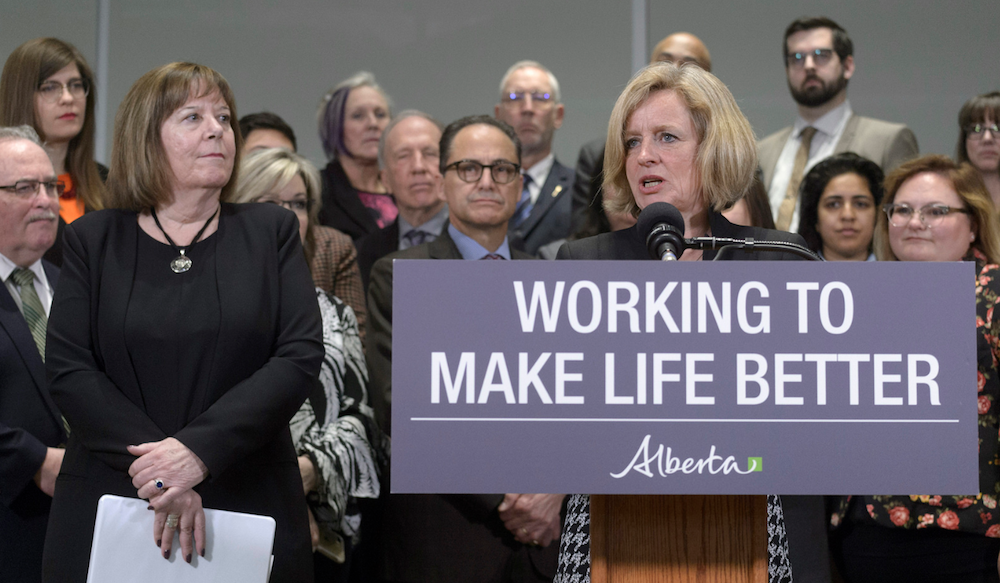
536	543
524	531
158	482
172	520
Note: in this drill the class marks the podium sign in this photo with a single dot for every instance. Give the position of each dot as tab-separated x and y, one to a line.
649	377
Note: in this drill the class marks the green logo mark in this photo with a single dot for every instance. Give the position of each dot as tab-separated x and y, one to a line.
755	464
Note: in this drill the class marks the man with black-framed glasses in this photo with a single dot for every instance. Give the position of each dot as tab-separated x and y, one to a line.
819	63
31	427
435	538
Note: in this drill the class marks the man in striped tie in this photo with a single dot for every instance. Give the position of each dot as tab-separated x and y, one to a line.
457	538
31	428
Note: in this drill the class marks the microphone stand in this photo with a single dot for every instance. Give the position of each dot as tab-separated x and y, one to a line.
724	244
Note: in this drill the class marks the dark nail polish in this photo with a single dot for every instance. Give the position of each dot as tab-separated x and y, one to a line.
188	558
158	541
150	507
202	553
166	554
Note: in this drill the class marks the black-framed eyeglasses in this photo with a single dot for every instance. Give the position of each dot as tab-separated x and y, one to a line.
820	57
472	170
296	206
930	215
976	131
52	91
518	97
29	188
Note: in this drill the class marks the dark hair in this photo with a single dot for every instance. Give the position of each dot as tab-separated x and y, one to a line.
820	176
266	120
974	111
26	68
448	136
842	44
758	204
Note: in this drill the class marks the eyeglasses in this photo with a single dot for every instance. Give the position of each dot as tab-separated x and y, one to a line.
978	130
52	91
930	215
518	97
471	171
296	206
29	188
820	58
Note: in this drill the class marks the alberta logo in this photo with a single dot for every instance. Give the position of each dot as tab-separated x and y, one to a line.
662	462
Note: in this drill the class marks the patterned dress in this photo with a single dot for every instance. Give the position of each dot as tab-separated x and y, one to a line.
345	446
976	512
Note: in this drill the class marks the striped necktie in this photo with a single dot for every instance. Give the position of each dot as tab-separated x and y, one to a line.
31	306
787	208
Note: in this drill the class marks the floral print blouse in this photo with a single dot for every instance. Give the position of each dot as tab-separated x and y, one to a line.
973	513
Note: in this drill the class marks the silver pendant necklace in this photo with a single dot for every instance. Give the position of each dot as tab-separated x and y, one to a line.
182	262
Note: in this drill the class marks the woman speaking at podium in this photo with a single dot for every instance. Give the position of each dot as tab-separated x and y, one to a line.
936	210
676	136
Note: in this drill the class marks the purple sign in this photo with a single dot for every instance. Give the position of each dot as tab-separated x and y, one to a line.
621	377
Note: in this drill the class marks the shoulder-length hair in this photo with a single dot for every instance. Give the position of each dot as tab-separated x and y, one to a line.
976	110
140	176
265	171
969	186
330	115
727	150
27	67
819	176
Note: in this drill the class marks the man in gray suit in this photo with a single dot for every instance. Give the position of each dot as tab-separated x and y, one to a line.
531	103
819	62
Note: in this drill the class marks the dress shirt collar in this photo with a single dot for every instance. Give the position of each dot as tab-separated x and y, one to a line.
829	124
7	267
433	226
470	249
540	171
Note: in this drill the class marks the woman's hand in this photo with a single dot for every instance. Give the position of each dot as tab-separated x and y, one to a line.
313	529
170	461
532	518
308	472
190	523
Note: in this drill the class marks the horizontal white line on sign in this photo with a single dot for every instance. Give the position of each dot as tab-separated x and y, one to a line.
603	420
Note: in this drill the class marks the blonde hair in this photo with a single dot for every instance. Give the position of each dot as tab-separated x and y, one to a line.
265	171
727	149
140	176
969	186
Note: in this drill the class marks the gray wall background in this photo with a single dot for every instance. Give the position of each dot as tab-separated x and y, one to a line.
917	62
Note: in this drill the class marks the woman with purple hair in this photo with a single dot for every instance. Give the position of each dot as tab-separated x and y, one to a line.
351	119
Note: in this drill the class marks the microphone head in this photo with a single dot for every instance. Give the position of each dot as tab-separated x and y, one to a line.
659	213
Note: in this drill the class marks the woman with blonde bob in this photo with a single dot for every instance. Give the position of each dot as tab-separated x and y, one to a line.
47	84
677	136
183	336
937	210
282	177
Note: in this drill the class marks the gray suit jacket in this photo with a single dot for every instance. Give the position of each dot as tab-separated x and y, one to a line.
885	143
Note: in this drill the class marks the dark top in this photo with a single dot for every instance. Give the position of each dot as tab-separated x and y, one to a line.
252	377
54	255
342	208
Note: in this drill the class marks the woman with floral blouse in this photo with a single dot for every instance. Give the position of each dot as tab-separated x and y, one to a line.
936	210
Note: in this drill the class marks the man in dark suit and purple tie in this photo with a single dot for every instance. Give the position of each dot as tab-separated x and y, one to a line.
31	428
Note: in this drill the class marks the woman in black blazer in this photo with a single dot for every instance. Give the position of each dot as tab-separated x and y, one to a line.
178	368
676	136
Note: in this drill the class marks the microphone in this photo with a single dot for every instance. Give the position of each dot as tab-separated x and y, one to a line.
664	228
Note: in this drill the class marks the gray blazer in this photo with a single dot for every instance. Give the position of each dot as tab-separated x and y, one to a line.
885	143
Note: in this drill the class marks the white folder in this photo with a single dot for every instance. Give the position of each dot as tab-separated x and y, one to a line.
237	547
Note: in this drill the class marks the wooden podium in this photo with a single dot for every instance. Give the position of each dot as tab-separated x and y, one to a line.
653	539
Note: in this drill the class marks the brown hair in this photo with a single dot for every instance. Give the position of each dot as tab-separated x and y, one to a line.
976	110
969	186
727	150
140	176
27	67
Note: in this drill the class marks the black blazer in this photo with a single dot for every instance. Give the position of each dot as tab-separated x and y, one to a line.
629	244
588	181
342	208
375	246
437	538
550	218
29	423
266	359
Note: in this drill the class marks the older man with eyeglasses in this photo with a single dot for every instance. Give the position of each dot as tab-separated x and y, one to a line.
31	428
458	538
819	63
531	102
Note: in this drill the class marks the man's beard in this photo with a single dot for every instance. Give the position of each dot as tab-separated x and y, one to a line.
817	95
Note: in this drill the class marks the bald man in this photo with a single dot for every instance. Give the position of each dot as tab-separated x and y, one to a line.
678	48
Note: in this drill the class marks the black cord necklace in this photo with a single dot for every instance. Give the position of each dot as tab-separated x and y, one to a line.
182	262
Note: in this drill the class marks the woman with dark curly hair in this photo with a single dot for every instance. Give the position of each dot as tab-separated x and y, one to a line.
840	197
